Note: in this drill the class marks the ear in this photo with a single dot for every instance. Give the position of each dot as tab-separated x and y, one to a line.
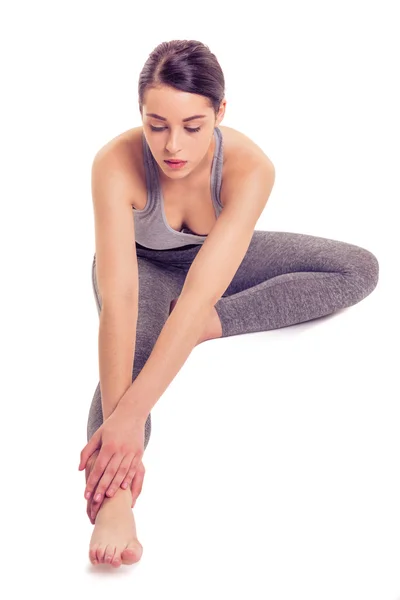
221	112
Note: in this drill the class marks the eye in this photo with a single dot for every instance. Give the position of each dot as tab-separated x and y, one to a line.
190	129
156	128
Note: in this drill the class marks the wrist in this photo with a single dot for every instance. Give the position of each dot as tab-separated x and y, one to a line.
132	409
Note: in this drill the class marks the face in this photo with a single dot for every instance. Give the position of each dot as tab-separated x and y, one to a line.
170	136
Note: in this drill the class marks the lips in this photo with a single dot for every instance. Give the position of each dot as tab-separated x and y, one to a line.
175	162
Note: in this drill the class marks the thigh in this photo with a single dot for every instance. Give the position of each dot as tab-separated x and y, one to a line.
273	253
158	286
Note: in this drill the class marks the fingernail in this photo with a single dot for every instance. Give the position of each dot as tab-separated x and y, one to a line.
97	497
87	495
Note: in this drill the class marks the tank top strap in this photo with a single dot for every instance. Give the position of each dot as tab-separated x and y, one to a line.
216	173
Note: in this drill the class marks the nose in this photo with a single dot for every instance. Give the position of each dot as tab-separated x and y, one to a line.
173	146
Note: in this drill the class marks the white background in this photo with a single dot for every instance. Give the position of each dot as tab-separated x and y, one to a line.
272	471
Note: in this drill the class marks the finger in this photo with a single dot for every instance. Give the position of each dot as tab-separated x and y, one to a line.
137	484
90	447
132	470
89	511
99	467
96	506
120	474
94	509
89	504
90	464
107	478
128	481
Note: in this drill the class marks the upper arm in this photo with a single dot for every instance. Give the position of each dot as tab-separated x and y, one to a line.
113	184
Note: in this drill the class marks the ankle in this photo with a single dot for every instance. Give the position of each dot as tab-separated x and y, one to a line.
119	497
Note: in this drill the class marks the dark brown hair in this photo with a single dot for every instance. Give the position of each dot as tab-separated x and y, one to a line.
186	65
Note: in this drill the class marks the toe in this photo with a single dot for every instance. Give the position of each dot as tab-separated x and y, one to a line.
116	561
132	553
100	554
93	556
109	554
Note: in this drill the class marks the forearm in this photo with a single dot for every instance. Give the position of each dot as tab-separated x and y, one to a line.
117	337
178	337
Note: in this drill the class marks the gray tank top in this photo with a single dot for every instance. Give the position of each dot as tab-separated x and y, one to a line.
151	227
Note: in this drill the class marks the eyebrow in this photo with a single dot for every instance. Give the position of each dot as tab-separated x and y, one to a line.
184	120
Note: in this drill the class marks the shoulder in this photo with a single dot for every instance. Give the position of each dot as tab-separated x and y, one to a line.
241	153
244	159
124	147
122	159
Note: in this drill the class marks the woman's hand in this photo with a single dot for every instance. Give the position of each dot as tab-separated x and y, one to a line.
88	469
121	442
92	507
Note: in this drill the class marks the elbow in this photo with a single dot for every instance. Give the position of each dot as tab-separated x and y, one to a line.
198	301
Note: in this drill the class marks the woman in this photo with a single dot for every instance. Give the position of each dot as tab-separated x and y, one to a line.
199	270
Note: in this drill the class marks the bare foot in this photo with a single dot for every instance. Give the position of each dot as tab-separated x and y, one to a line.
114	539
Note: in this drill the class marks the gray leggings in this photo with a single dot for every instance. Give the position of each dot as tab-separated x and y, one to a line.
284	278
